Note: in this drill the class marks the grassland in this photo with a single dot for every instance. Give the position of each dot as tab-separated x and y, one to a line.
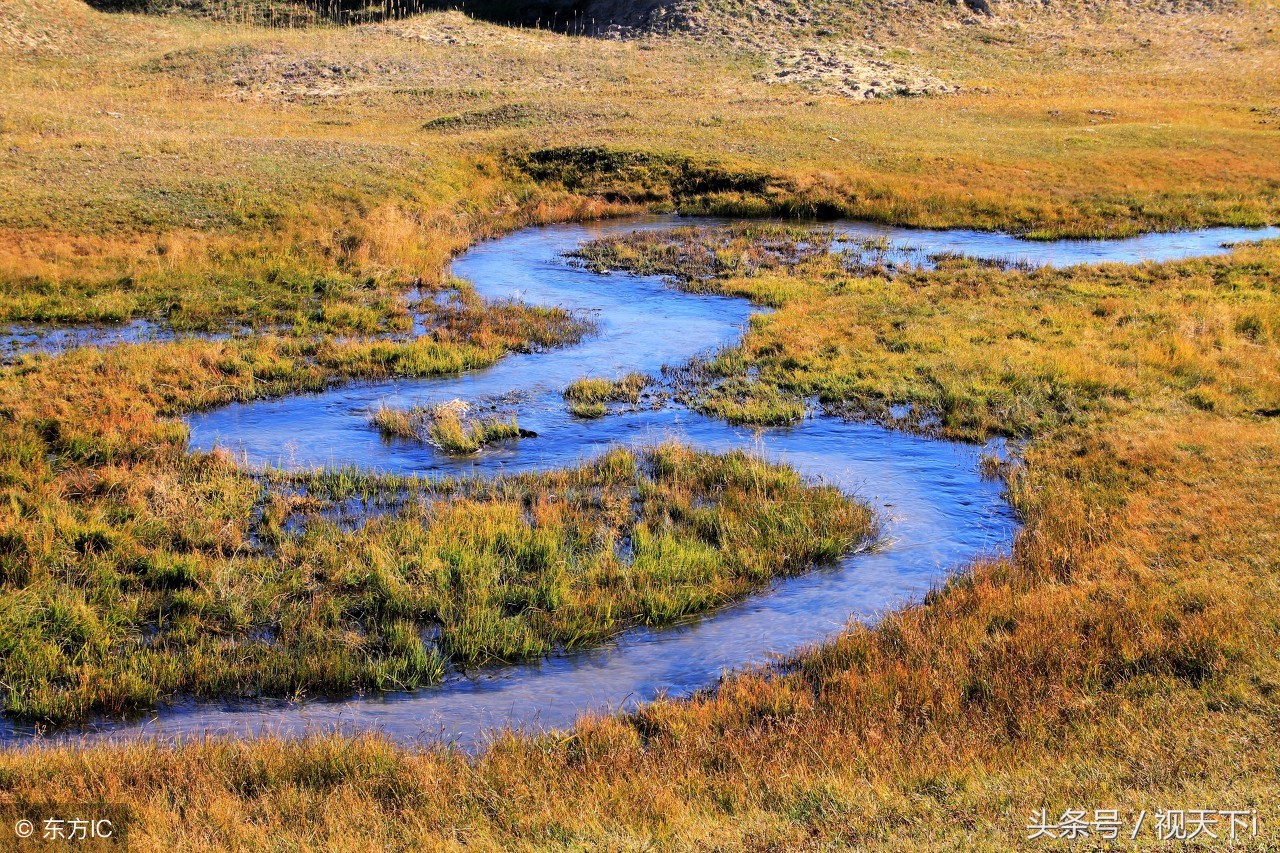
212	176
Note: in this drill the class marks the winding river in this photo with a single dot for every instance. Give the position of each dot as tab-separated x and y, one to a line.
938	513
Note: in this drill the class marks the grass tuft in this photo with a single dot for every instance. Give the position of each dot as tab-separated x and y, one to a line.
587	397
446	425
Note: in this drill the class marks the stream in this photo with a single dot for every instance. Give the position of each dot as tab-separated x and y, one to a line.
938	513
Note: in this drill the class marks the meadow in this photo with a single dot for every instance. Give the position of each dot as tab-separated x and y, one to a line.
218	176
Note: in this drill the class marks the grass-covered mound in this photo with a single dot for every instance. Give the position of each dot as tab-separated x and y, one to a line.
589	396
148	580
448	426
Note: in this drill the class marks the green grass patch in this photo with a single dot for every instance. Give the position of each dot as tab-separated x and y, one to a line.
120	598
587	397
588	411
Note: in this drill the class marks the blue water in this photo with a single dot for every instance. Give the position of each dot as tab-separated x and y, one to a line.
938	514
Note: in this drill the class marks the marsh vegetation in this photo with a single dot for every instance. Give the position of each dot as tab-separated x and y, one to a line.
448	426
587	397
1051	345
214	177
209	598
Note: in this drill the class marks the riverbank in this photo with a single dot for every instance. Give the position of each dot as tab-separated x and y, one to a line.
1123	656
320	505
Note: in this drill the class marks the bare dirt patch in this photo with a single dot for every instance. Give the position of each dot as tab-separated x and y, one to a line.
838	72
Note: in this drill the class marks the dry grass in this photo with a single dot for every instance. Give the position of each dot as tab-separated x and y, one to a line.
1123	657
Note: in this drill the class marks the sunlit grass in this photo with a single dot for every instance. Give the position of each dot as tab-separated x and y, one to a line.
588	397
329	201
446	425
216	177
205	597
971	350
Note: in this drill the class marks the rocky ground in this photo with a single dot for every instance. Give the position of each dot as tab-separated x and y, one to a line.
822	49
857	73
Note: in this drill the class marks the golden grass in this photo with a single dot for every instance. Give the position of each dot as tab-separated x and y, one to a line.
218	169
969	350
1123	657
